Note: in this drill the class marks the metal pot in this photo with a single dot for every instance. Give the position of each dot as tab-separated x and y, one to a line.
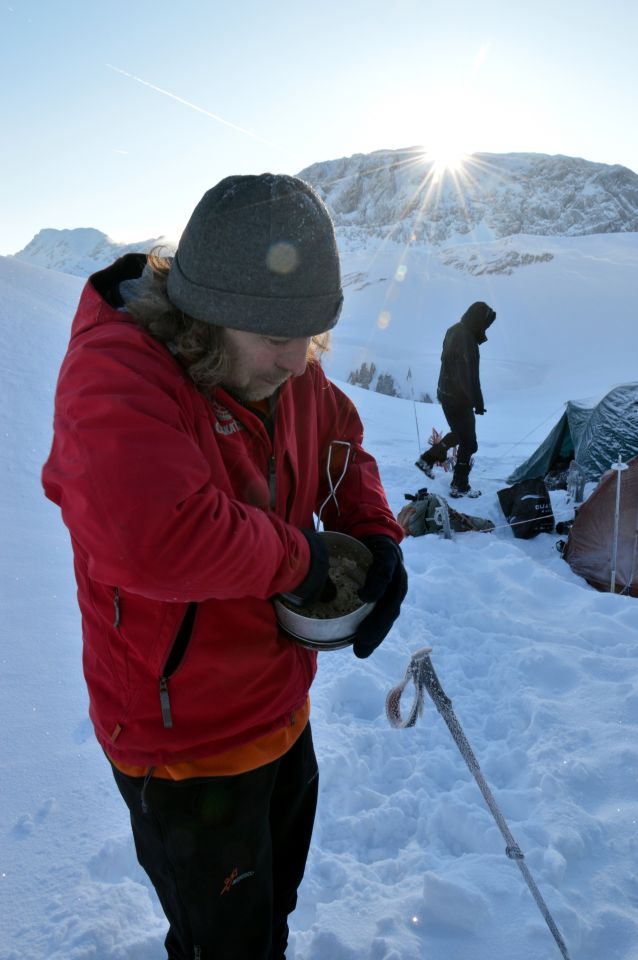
330	633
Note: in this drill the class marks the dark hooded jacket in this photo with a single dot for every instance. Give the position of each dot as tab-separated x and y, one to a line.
459	382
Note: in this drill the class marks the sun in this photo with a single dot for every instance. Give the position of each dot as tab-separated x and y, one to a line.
445	158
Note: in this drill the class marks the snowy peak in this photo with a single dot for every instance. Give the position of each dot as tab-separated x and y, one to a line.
398	194
80	252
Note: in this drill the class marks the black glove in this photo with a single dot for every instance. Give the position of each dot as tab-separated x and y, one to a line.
387	583
479	411
316	585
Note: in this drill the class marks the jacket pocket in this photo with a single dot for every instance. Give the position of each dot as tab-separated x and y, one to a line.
175	656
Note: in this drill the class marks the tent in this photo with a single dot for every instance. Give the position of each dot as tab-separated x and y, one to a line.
593	436
599	549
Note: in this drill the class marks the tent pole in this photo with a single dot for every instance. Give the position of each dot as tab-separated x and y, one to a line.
416	419
619	466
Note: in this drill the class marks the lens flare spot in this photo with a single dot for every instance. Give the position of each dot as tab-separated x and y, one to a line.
401	273
282	258
384	320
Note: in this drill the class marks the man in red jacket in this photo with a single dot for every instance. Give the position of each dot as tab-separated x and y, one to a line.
193	437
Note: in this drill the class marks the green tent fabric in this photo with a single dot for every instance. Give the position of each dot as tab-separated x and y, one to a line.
593	436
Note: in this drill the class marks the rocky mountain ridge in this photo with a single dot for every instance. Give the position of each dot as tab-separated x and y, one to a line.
399	195
396	195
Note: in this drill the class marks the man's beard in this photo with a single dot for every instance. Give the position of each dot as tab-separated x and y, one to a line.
255	393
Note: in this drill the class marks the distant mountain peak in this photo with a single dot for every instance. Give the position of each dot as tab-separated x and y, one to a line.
80	251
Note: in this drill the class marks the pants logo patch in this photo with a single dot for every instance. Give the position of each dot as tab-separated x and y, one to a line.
235	878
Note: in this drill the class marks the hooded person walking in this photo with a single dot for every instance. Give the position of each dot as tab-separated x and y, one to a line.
459	393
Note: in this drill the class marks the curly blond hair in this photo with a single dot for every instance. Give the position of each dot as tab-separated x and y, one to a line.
200	347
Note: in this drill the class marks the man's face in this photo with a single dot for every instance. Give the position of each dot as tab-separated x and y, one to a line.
259	364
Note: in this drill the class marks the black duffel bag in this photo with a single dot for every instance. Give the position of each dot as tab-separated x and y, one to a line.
527	507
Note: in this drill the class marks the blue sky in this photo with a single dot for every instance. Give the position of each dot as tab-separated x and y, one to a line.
119	116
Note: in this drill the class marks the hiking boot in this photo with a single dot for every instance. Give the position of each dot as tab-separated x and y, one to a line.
425	467
467	491
460	486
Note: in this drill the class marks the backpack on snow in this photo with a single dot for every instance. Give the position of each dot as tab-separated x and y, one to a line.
430	513
527	508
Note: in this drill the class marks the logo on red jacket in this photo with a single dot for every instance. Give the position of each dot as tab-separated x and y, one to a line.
225	422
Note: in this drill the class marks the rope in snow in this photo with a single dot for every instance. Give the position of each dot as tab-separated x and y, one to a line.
516	443
558	517
421	672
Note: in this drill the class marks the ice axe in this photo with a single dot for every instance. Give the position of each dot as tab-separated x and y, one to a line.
421	672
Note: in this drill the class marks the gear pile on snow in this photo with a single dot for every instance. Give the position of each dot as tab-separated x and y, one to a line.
430	513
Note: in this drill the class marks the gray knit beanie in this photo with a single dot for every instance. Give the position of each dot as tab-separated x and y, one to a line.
259	254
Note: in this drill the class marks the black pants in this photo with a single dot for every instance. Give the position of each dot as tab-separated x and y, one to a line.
227	854
462	422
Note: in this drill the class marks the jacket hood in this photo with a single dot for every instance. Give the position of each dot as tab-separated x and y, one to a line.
478	318
100	300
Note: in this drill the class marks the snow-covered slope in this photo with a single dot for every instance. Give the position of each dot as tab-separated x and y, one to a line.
406	861
399	302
